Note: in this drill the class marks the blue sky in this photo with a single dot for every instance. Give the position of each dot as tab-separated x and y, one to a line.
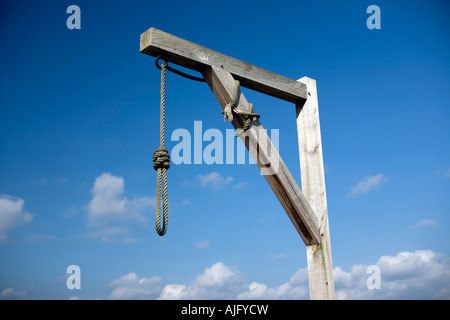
79	120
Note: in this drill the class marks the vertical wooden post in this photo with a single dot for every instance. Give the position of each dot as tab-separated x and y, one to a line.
320	269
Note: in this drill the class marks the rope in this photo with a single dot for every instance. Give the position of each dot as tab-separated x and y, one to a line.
229	108
161	157
161	163
232	107
178	72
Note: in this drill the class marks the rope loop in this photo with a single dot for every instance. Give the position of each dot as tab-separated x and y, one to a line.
161	162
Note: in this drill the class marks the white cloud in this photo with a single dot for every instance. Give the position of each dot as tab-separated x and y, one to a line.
240	185
213	180
277	257
12	215
217	282
176	292
44	181
424	223
444	173
368	184
60	180
40	237
218	275
130	240
202	244
408	275
131	287
255	291
40	182
295	289
421	274
109	203
107	233
70	212
10	294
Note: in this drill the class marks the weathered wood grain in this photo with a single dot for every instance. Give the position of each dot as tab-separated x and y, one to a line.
308	210
320	269
267	158
190	55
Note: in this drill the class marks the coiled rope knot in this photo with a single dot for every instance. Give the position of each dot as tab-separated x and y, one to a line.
232	107
161	159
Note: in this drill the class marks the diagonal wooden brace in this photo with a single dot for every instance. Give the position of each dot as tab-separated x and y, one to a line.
272	166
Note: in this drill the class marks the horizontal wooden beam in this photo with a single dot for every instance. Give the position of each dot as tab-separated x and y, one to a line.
193	56
267	158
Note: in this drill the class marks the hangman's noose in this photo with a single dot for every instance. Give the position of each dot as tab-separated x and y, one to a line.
161	158
161	163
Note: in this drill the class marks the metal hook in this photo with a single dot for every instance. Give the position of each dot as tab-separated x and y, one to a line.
178	72
157	62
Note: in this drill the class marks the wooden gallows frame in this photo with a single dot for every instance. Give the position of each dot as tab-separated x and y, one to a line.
308	209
